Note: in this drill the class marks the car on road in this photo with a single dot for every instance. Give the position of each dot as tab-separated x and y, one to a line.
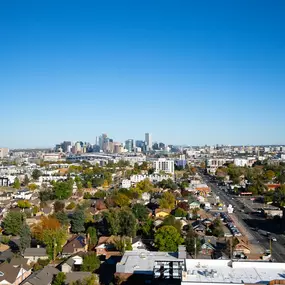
273	238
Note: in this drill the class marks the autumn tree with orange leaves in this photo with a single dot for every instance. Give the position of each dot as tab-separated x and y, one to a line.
52	234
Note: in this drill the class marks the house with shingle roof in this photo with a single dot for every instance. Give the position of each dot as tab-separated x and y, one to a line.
11	274
76	244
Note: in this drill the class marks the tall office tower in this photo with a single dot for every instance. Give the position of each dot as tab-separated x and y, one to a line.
78	147
65	145
4	151
148	141
129	145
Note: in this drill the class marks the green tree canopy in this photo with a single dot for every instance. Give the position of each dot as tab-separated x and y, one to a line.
167	238
13	223
63	190
127	223
167	201
77	221
92	236
192	242
23	204
91	262
140	211
180	212
25	238
36	174
59	279
171	221
17	184
62	218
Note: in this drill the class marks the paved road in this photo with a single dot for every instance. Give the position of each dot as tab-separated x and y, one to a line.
255	237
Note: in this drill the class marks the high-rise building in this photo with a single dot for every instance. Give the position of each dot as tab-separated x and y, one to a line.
4	152
129	145
148	141
65	146
117	147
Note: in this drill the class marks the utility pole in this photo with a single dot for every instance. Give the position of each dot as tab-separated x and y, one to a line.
270	246
195	247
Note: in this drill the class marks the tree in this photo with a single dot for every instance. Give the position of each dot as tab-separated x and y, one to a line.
59	279
90	280
58	206
184	206
127	223
23	204
13	223
46	223
25	237
180	212
92	237
167	238
63	190
90	262
62	218
36	174
217	228
17	184
147	228
26	180
77	221
269	175
167	201
171	221
140	212
192	242
54	239
32	186
46	195
121	200
111	218
122	244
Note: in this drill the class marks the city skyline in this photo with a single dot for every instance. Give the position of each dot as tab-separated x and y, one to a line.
188	72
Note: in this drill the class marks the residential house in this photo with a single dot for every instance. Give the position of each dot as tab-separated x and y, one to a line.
207	248
137	244
15	275
241	247
162	213
199	227
74	245
44	276
34	254
194	205
105	244
73	263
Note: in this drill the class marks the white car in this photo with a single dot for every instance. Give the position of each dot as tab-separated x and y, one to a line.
273	238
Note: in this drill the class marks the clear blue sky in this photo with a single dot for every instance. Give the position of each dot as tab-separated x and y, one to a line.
189	72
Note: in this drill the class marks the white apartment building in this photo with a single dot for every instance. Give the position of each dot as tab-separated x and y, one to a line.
153	178
214	163
244	161
165	165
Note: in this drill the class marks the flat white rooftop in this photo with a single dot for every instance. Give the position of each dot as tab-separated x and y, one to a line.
143	261
228	272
